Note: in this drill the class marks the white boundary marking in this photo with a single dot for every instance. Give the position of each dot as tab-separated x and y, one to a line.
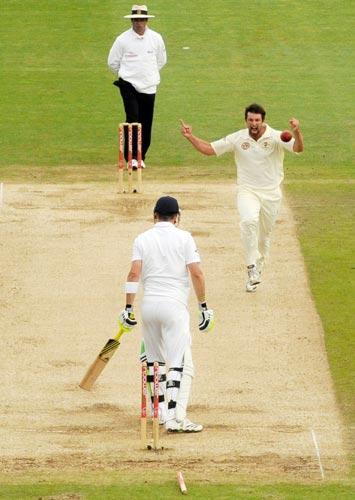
314	437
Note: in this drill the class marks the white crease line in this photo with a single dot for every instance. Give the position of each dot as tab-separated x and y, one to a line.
314	437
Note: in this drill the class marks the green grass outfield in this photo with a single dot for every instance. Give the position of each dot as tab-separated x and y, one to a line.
170	491
60	113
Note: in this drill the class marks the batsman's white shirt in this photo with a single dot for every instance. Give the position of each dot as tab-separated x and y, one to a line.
165	251
259	163
138	59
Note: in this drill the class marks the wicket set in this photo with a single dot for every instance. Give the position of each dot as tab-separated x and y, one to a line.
121	158
144	400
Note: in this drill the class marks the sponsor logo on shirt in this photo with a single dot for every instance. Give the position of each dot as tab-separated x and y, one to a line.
245	145
131	54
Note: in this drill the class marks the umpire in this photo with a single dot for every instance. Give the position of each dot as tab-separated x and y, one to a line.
136	57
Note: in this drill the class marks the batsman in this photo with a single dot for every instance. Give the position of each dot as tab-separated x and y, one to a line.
163	259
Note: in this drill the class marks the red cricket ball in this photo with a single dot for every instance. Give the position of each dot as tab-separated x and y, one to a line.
286	136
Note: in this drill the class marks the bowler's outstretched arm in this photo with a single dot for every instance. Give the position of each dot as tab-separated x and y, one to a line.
202	146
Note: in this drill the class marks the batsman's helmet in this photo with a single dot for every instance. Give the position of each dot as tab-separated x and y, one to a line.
167	205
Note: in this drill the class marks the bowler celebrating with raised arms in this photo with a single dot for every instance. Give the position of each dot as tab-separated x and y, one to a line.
258	153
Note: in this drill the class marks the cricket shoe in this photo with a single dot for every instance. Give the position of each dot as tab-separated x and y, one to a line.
135	164
254	279
185	426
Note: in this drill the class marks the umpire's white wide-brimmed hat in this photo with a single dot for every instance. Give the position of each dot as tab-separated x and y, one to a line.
138	12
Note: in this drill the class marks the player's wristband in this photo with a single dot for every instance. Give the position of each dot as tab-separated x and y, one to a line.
131	286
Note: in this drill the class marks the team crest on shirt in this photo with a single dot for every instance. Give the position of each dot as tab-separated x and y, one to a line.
245	145
266	145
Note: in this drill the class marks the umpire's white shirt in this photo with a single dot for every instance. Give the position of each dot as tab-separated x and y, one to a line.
260	163
138	59
165	251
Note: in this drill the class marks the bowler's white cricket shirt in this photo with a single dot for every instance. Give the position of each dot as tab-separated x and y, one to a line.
165	251
259	163
138	59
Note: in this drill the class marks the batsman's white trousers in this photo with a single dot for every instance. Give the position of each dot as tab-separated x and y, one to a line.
166	330
258	211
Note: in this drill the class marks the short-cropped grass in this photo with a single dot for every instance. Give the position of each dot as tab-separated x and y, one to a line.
170	491
60	113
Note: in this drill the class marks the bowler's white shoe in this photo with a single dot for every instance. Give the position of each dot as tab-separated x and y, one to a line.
254	279
185	426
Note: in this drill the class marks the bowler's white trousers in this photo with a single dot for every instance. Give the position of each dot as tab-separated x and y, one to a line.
166	330
258	210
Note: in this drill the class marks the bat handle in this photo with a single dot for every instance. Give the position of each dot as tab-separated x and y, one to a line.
121	331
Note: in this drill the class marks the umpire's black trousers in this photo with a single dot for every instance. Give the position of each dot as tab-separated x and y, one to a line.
139	108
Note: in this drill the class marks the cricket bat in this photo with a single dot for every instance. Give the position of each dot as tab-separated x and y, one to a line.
102	359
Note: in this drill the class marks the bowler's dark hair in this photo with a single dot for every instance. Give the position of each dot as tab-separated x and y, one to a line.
255	108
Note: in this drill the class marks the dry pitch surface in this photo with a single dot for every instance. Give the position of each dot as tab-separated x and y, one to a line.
262	387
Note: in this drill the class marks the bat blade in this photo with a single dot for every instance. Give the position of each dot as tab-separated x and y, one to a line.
101	361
